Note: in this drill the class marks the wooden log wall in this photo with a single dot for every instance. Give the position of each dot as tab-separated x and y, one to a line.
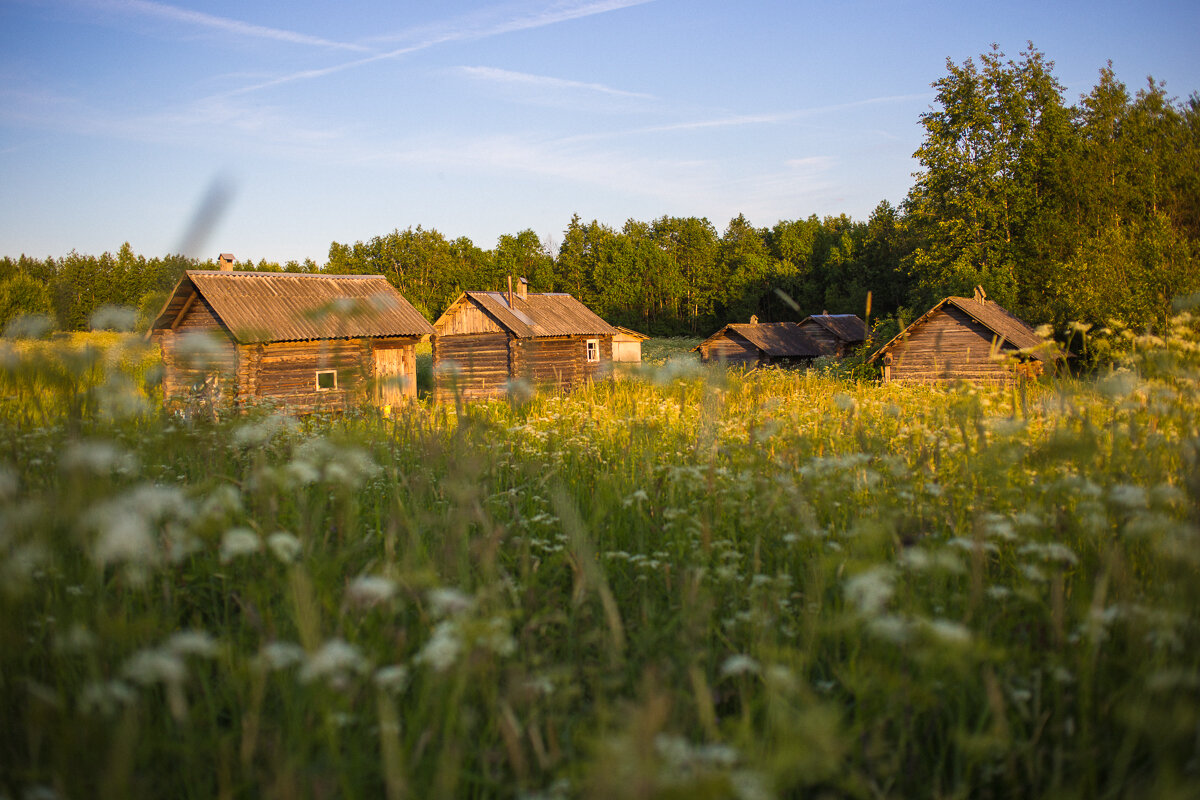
949	346
559	363
825	341
731	350
472	365
199	361
286	373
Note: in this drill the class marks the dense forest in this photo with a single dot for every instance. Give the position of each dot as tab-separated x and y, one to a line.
1084	212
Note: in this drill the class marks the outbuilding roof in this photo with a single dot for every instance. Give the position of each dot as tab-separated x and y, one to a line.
286	307
847	327
537	314
1005	327
775	339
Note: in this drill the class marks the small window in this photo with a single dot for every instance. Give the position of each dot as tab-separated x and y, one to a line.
593	349
326	379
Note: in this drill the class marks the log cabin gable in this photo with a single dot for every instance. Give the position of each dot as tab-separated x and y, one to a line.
466	317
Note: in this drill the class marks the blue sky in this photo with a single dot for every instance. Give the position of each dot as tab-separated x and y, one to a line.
321	122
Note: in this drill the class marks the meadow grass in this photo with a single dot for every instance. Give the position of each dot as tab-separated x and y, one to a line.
688	582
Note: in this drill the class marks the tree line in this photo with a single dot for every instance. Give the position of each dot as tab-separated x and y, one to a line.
1083	212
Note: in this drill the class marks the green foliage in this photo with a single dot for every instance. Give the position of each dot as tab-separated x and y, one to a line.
21	294
1063	214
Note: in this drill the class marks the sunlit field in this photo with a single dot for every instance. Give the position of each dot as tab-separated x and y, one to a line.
690	582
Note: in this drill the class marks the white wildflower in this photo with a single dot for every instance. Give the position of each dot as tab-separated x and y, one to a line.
77	639
284	546
280	655
152	666
192	643
1051	551
393	678
870	591
739	664
947	631
997	526
637	497
442	649
366	591
334	662
99	458
125	537
105	697
302	472
224	501
497	637
448	602
891	628
238	542
920	560
254	435
845	402
1128	496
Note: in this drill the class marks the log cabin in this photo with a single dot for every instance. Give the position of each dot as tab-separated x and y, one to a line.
758	344
484	340
836	335
966	338
302	342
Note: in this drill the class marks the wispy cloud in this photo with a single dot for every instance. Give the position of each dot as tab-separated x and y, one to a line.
781	116
507	19
468	28
504	76
227	25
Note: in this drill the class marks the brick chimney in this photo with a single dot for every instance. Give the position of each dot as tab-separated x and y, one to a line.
523	288
225	262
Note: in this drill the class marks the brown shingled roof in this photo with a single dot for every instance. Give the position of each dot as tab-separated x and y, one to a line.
847	327
284	306
775	339
540	314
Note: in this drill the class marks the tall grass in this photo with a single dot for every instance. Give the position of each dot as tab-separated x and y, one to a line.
689	582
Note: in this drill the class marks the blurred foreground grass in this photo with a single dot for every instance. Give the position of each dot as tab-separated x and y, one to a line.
691	582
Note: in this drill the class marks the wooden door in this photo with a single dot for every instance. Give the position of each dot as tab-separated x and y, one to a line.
395	372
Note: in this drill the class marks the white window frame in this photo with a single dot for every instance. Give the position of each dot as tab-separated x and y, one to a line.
592	350
321	372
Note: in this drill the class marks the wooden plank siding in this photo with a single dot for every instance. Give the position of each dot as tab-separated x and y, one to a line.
824	339
199	361
730	348
465	317
950	345
473	365
558	363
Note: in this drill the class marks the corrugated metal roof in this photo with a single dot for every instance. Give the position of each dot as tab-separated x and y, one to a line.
1002	323
847	327
775	339
285	307
540	314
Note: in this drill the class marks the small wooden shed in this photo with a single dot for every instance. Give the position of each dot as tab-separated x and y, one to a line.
965	338
836	335
627	345
304	342
486	339
758	343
